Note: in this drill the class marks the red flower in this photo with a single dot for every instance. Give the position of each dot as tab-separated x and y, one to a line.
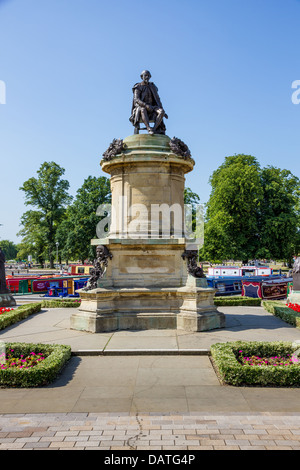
295	307
5	309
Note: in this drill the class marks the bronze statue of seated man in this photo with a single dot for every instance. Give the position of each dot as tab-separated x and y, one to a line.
147	107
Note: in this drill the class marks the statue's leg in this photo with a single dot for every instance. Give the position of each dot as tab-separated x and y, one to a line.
160	114
145	120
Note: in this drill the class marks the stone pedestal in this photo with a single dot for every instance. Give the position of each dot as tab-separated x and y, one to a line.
296	282
294	296
7	300
146	284
188	308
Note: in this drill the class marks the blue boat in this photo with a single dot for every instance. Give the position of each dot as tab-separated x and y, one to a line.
232	285
228	280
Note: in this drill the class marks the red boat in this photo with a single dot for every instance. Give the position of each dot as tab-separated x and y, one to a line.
39	284
275	289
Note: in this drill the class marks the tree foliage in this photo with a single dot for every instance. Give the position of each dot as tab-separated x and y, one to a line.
79	227
232	231
279	225
48	194
252	212
9	248
190	197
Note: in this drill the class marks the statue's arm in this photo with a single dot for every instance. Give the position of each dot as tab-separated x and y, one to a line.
137	98
157	98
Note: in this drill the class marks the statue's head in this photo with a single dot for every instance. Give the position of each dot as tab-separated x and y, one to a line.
100	249
145	75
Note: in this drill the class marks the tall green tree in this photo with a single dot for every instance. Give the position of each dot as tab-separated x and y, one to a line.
190	197
63	238
252	212
279	225
34	240
75	233
9	248
232	213
48	195
192	200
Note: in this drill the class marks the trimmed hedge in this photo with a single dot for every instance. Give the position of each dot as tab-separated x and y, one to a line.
41	374
18	314
238	300
231	372
279	309
60	303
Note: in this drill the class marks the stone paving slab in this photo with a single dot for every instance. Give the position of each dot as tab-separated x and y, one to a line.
150	431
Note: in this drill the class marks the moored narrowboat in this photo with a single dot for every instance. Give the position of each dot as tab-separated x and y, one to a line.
229	280
272	289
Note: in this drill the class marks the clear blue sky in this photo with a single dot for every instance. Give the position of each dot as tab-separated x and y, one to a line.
224	70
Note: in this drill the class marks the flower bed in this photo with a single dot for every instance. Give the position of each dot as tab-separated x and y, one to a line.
271	361
242	363
5	309
283	311
12	360
43	362
294	307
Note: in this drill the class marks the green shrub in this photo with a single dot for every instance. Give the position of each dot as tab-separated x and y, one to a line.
231	372
41	374
60	303
238	300
279	309
18	314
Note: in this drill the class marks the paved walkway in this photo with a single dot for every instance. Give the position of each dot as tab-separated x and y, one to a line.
152	432
154	390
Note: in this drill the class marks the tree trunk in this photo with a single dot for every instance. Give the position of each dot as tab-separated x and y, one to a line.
51	261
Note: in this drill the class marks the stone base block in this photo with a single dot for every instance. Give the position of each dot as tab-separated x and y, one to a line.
296	282
201	322
188	308
294	297
115	321
7	300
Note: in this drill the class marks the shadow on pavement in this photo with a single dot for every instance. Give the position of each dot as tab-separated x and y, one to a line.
66	374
